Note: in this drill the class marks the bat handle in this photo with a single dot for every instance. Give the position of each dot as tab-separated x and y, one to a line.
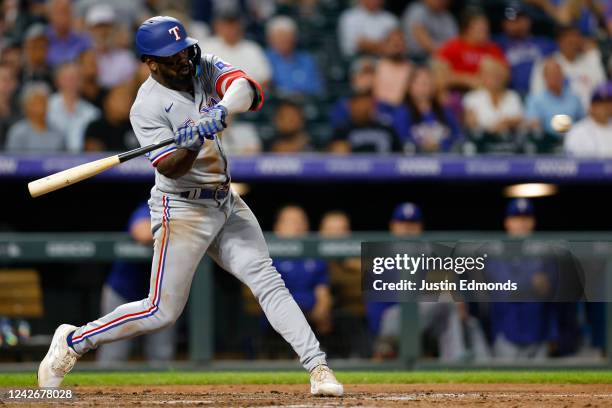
123	157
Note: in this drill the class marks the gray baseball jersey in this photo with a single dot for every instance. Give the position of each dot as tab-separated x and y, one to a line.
158	112
185	229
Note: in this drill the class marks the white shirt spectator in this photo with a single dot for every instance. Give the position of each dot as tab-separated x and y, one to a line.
358	22
71	124
589	139
487	114
246	54
584	74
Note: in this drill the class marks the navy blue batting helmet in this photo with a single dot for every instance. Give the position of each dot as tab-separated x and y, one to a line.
162	36
409	212
520	206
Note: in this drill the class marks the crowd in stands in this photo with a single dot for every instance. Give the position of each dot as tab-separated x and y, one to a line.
414	76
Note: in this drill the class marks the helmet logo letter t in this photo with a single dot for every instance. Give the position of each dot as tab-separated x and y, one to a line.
175	30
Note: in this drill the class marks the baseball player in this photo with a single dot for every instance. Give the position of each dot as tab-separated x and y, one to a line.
193	211
521	330
441	319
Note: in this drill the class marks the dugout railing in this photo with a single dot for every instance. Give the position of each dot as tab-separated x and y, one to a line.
45	248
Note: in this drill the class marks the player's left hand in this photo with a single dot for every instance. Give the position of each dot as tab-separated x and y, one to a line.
212	122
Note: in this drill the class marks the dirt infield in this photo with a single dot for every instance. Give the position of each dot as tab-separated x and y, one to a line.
363	395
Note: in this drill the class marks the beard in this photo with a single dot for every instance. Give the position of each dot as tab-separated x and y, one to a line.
180	79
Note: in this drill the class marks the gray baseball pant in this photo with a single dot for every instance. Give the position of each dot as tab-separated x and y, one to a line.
159	347
184	230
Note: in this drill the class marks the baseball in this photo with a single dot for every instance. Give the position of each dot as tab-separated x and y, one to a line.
561	123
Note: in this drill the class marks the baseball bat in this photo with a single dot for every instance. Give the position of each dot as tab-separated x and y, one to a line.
84	171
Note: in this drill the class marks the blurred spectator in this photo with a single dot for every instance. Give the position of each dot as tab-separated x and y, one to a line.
427	25
254	12
129	282
362	72
9	110
608	17
457	62
345	273
197	29
520	330
240	138
307	10
91	90
128	13
493	108
230	45
33	134
592	136
521	48
364	132
587	15
142	74
392	70
306	279
520	217
406	220
18	15
335	224
290	135
35	48
11	55
422	123
293	71
363	28
441	320
557	98
113	131
68	112
549	7
64	43
115	65
581	65
345	276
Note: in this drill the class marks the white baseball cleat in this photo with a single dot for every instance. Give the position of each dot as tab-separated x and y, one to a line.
323	382
59	359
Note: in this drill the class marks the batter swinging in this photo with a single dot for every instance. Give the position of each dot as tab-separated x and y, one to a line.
193	211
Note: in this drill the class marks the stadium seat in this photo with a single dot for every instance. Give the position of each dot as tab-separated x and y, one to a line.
20	293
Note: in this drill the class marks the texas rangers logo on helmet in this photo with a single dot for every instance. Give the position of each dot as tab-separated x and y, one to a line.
175	30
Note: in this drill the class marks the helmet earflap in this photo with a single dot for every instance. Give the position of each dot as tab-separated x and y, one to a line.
194	55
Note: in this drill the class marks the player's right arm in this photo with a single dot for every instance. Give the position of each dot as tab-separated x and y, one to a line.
233	88
178	163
